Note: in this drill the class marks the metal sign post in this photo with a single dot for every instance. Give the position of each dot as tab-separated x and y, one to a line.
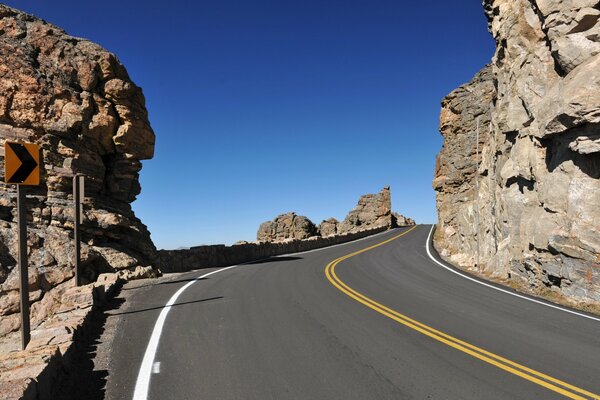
23	267
22	167
78	196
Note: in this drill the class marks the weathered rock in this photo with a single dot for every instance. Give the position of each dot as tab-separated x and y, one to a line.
372	211
286	226
329	227
76	101
211	256
526	206
456	164
401	220
139	273
36	370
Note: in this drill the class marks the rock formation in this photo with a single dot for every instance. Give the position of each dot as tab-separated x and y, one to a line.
329	227
456	166
285	227
401	220
76	101
372	211
526	206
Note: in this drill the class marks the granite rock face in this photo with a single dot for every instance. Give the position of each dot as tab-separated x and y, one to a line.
372	211
76	101
527	205
286	227
456	165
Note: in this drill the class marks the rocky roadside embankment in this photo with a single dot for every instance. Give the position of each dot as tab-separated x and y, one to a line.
525	208
76	101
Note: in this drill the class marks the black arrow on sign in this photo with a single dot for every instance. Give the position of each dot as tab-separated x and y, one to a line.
28	164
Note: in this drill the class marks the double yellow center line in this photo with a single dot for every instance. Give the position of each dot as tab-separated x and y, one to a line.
522	371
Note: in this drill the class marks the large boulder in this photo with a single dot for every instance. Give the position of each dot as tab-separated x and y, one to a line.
285	227
329	227
372	211
399	220
77	102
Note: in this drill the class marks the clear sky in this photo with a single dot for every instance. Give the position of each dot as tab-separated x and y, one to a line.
266	106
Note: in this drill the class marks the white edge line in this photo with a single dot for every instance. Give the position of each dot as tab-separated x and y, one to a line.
497	288
142	384
156	367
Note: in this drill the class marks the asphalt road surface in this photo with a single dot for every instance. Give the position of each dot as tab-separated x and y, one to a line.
372	319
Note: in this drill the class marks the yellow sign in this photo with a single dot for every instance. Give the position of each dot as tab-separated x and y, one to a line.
22	163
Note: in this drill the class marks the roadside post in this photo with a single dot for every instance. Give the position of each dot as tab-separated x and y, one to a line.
78	196
22	167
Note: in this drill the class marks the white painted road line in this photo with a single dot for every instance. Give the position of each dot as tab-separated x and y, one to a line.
156	368
142	385
497	288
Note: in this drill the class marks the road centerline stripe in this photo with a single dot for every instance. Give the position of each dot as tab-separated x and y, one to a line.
517	369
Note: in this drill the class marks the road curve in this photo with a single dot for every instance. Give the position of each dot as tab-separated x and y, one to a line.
348	323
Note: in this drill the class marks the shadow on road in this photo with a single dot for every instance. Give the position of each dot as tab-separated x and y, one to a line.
81	380
161	307
275	259
165	283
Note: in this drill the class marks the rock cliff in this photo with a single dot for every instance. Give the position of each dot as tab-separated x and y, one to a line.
76	101
523	203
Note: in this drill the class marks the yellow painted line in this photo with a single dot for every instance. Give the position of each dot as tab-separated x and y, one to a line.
522	371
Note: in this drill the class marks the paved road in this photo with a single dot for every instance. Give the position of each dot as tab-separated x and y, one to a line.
387	323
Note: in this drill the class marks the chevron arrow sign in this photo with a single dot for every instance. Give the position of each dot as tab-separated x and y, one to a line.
22	163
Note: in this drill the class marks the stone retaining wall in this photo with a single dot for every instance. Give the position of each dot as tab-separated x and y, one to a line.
33	374
220	255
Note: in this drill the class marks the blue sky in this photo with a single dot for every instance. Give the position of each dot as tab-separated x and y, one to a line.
263	107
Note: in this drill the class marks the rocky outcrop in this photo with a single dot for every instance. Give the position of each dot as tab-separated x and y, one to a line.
329	227
219	255
526	206
286	227
76	101
372	211
291	233
401	220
